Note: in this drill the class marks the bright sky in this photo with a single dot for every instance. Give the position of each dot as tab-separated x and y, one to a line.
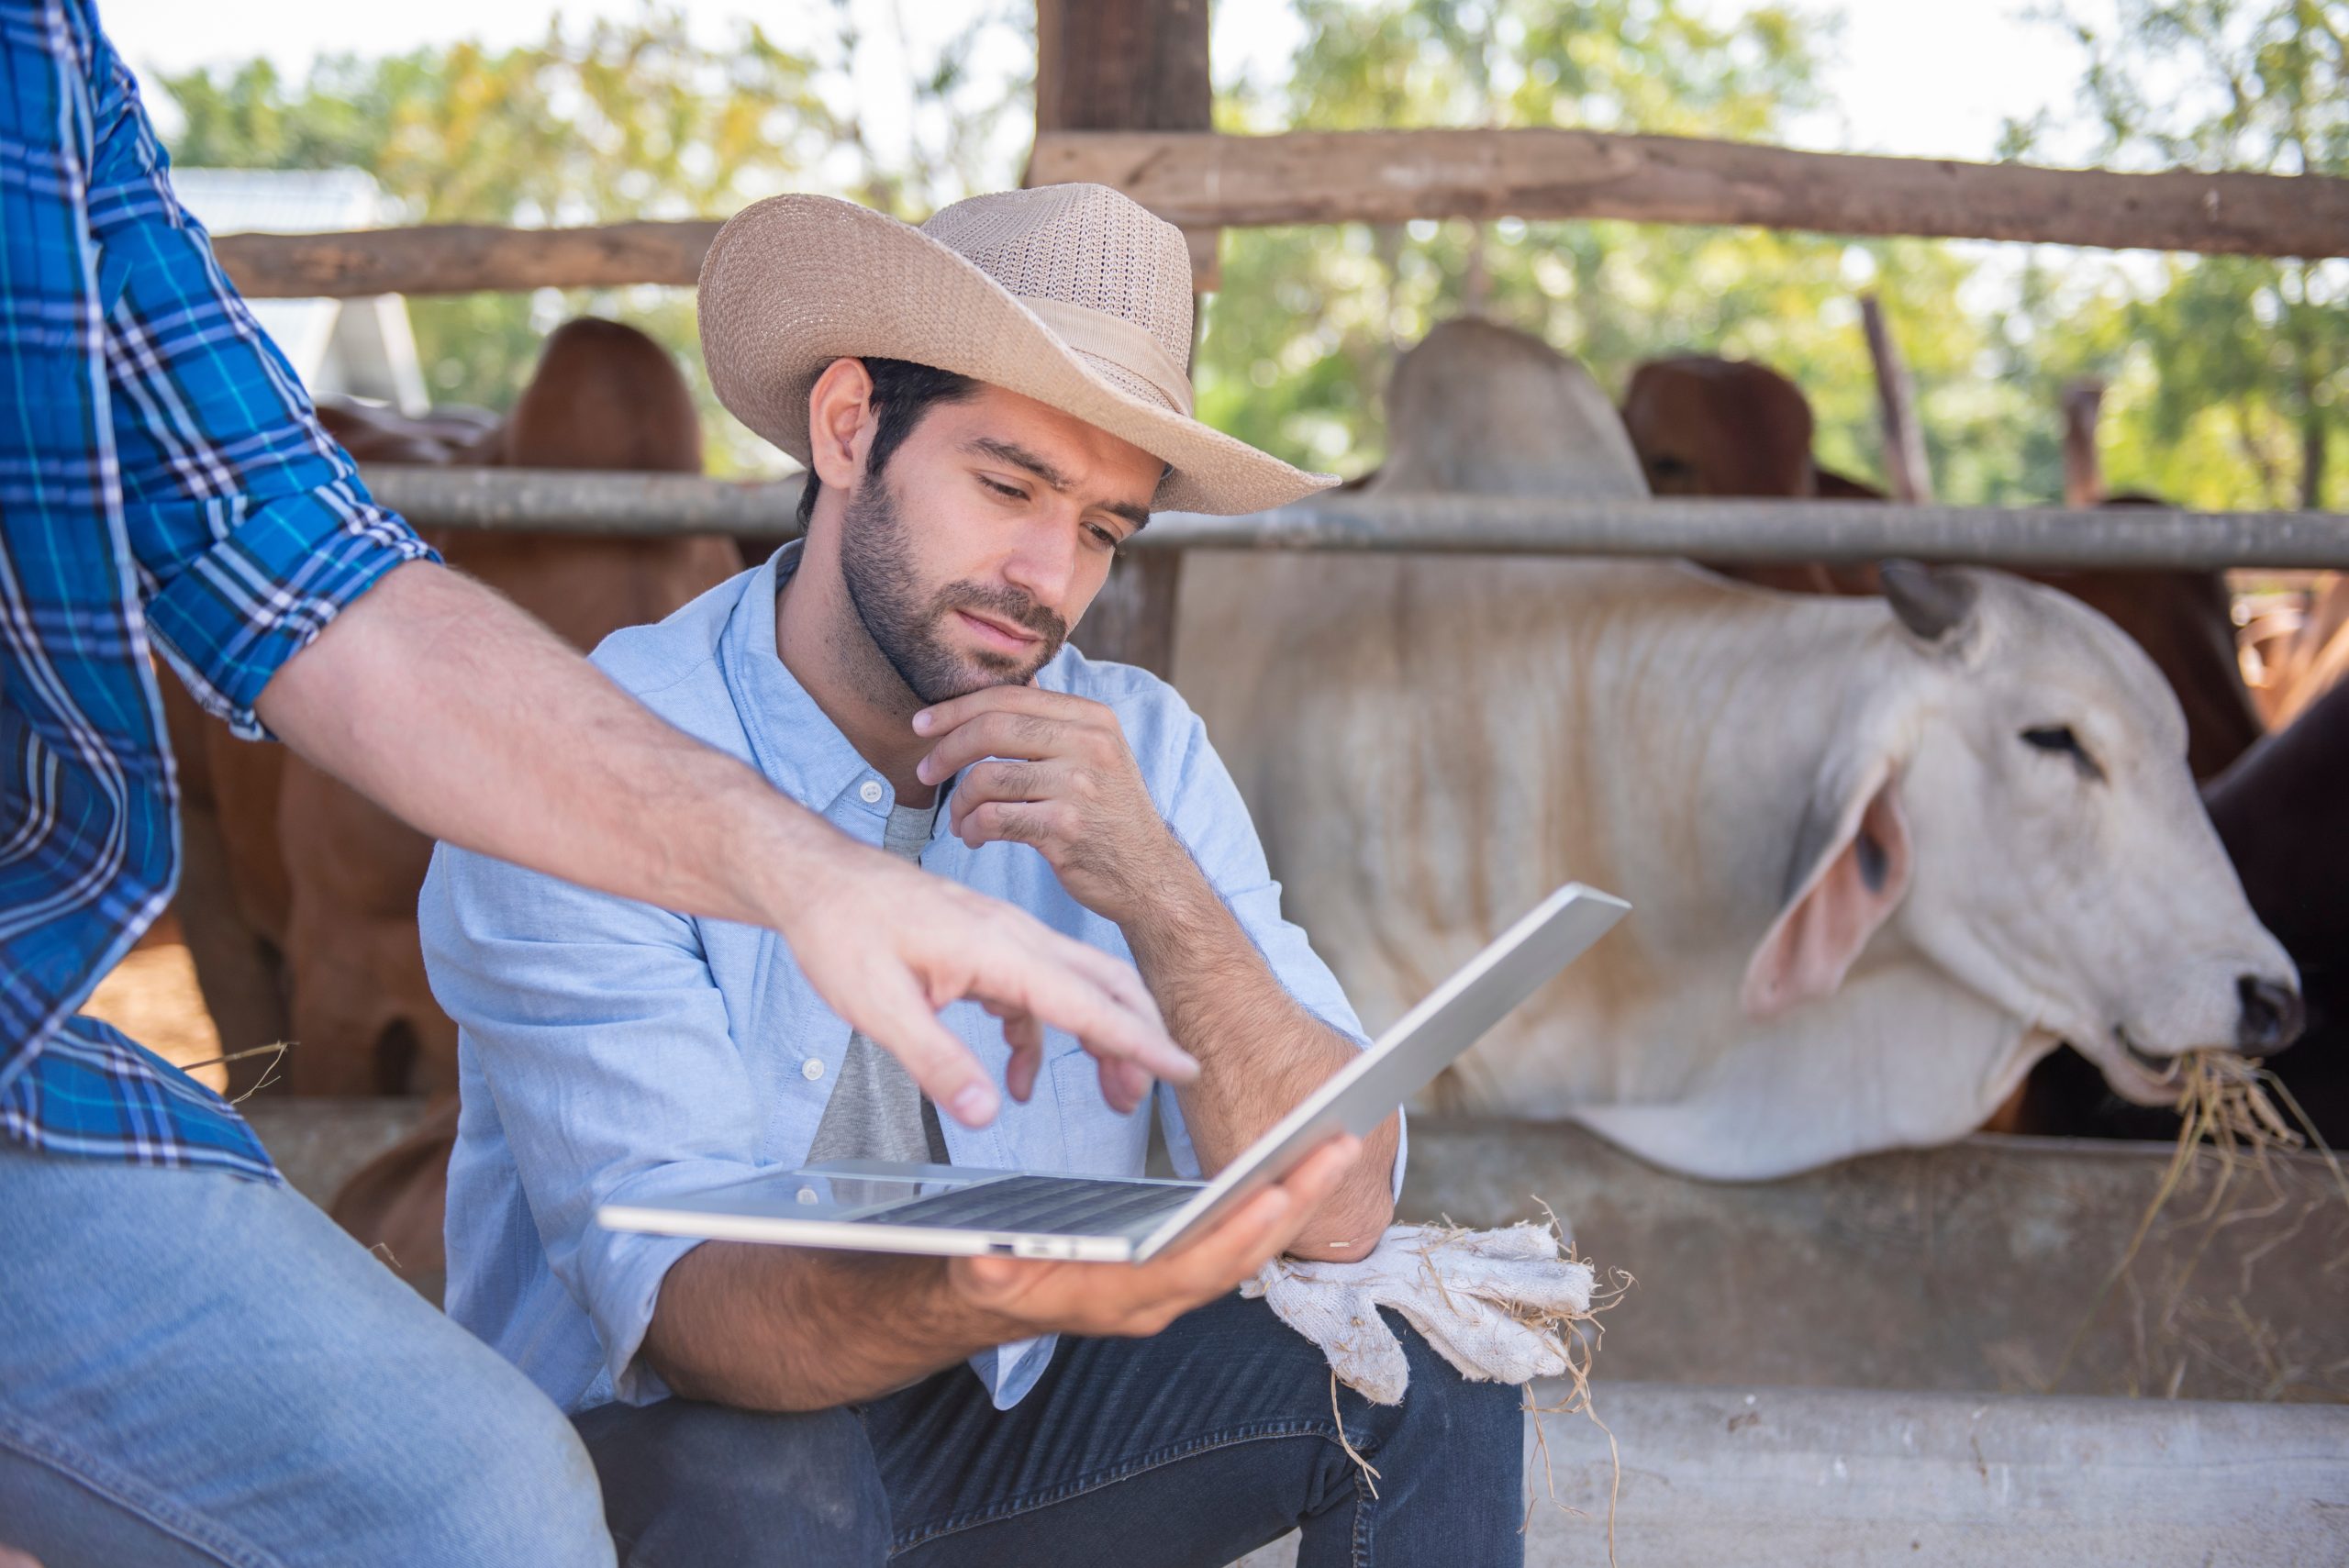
1927	78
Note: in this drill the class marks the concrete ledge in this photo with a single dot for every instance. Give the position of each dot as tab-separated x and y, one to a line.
1796	1478
1968	1268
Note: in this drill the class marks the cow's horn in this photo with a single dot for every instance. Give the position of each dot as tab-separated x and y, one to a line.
1930	601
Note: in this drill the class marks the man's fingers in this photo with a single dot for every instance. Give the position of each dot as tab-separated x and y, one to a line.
994	1274
1021	823
1025	1038
1239	1245
1015	736
1011	782
940	1064
941	717
1123	1085
1063	985
1027	1061
1022	1032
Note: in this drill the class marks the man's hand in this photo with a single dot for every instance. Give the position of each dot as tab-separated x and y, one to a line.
887	946
1063	779
1135	1301
803	1328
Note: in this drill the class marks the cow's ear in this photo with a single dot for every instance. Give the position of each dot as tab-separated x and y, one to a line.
1849	870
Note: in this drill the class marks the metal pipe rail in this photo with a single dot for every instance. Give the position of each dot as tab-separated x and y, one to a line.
564	501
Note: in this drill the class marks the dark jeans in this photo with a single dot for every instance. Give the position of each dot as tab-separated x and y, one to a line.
1185	1451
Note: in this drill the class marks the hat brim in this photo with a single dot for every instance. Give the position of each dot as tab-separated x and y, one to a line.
794	282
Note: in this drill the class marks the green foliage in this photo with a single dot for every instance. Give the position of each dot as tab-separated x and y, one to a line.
2233	372
1309	322
612	122
2219	368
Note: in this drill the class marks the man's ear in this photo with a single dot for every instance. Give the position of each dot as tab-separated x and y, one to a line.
1849	870
840	423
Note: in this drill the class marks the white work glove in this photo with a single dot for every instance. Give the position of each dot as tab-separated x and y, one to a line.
1497	1304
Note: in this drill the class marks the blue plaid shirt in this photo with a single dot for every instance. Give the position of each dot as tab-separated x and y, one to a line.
164	487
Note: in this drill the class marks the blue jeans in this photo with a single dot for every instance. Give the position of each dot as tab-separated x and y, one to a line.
197	1369
1190	1448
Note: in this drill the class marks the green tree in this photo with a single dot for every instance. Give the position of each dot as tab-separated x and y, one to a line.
1309	321
614	121
2232	371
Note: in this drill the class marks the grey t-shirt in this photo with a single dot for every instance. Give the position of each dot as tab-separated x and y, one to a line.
876	1111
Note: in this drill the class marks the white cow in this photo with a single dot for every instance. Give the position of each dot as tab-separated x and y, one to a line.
1882	856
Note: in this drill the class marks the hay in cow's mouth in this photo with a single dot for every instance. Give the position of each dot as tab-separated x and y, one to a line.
2223	1100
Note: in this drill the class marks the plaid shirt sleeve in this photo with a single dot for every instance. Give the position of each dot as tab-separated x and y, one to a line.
163	485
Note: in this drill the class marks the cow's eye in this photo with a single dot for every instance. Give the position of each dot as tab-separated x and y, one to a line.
2060	738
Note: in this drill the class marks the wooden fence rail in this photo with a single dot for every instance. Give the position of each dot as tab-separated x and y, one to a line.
1392	176
568	502
1204	181
461	259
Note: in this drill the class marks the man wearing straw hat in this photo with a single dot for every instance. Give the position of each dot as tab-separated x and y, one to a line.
988	406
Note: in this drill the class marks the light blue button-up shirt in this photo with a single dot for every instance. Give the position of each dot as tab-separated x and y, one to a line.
613	1053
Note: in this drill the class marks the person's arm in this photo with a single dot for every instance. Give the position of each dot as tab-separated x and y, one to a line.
1065	781
1260	1052
285	596
466	718
797	1328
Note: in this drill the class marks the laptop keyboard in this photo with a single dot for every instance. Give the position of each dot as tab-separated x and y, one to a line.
1042	1205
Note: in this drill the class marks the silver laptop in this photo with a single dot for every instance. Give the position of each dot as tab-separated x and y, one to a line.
878	1207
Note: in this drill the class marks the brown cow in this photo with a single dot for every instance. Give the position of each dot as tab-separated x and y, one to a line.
299	894
1704	426
1712	427
394	1204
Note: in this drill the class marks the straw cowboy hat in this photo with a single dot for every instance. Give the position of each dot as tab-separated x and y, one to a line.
1073	295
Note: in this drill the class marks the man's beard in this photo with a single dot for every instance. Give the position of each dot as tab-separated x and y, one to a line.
876	565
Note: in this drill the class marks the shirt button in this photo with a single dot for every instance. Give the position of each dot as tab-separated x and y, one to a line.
870	792
812	1069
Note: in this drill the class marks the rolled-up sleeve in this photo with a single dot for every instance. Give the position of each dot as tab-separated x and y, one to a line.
604	1041
1208	813
248	526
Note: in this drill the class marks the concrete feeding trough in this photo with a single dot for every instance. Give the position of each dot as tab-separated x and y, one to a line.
1968	1268
1853	1366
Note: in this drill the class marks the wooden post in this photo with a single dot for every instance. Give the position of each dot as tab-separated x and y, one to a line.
2083	467
1906	473
1129	65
